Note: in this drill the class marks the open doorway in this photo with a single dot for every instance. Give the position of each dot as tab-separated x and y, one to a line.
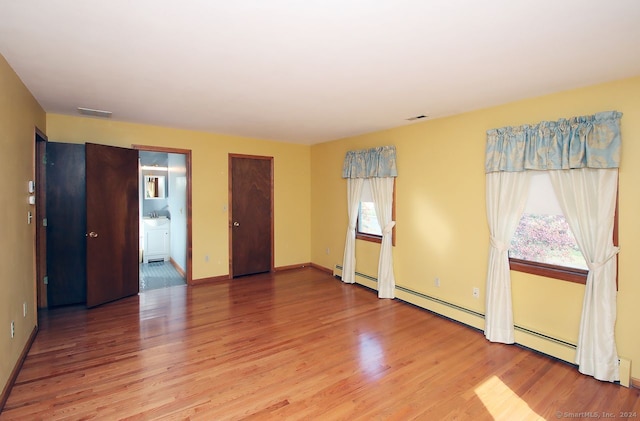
165	217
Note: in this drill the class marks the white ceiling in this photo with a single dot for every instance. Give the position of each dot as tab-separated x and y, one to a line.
309	71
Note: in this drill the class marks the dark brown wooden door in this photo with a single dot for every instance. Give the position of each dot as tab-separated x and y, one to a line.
66	224
251	214
112	223
40	217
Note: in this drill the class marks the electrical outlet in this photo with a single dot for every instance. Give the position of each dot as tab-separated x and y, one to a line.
328	251
476	293
436	282
206	258
13	329
24	309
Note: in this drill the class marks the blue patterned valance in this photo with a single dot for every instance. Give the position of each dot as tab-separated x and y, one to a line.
375	162
579	142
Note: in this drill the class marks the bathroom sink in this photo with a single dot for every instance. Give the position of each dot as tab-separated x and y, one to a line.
156	222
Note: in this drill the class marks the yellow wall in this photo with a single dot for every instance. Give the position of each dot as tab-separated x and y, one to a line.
19	115
441	217
210	183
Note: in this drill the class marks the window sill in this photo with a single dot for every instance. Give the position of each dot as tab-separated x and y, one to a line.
369	237
550	271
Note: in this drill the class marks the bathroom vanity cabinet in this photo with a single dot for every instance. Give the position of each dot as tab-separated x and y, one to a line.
156	239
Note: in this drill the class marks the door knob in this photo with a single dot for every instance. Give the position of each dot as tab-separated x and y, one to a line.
93	234
236	224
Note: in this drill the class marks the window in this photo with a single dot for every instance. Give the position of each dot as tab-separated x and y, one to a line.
367	227
367	219
543	243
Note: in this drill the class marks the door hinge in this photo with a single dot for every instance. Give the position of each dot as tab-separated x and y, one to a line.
45	280
44	222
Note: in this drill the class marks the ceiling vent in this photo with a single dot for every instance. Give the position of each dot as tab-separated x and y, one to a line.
94	113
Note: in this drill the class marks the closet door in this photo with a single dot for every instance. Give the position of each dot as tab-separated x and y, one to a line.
251	213
112	223
66	224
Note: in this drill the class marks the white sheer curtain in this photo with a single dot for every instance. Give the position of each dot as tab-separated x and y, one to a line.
382	190
372	163
354	191
582	155
506	197
588	197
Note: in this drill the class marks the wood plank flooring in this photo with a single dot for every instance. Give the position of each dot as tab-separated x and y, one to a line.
294	345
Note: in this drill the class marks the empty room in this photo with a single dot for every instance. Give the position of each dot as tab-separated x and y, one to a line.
319	210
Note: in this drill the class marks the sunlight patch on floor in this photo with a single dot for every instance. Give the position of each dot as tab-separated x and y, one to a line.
502	403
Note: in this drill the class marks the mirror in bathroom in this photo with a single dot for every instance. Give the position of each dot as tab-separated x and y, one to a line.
154	187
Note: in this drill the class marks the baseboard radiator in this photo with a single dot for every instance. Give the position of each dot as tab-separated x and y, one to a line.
526	337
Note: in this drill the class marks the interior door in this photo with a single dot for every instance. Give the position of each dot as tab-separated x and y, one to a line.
66	224
112	223
41	215
251	214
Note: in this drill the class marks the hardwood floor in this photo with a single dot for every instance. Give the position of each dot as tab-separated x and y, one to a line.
298	344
